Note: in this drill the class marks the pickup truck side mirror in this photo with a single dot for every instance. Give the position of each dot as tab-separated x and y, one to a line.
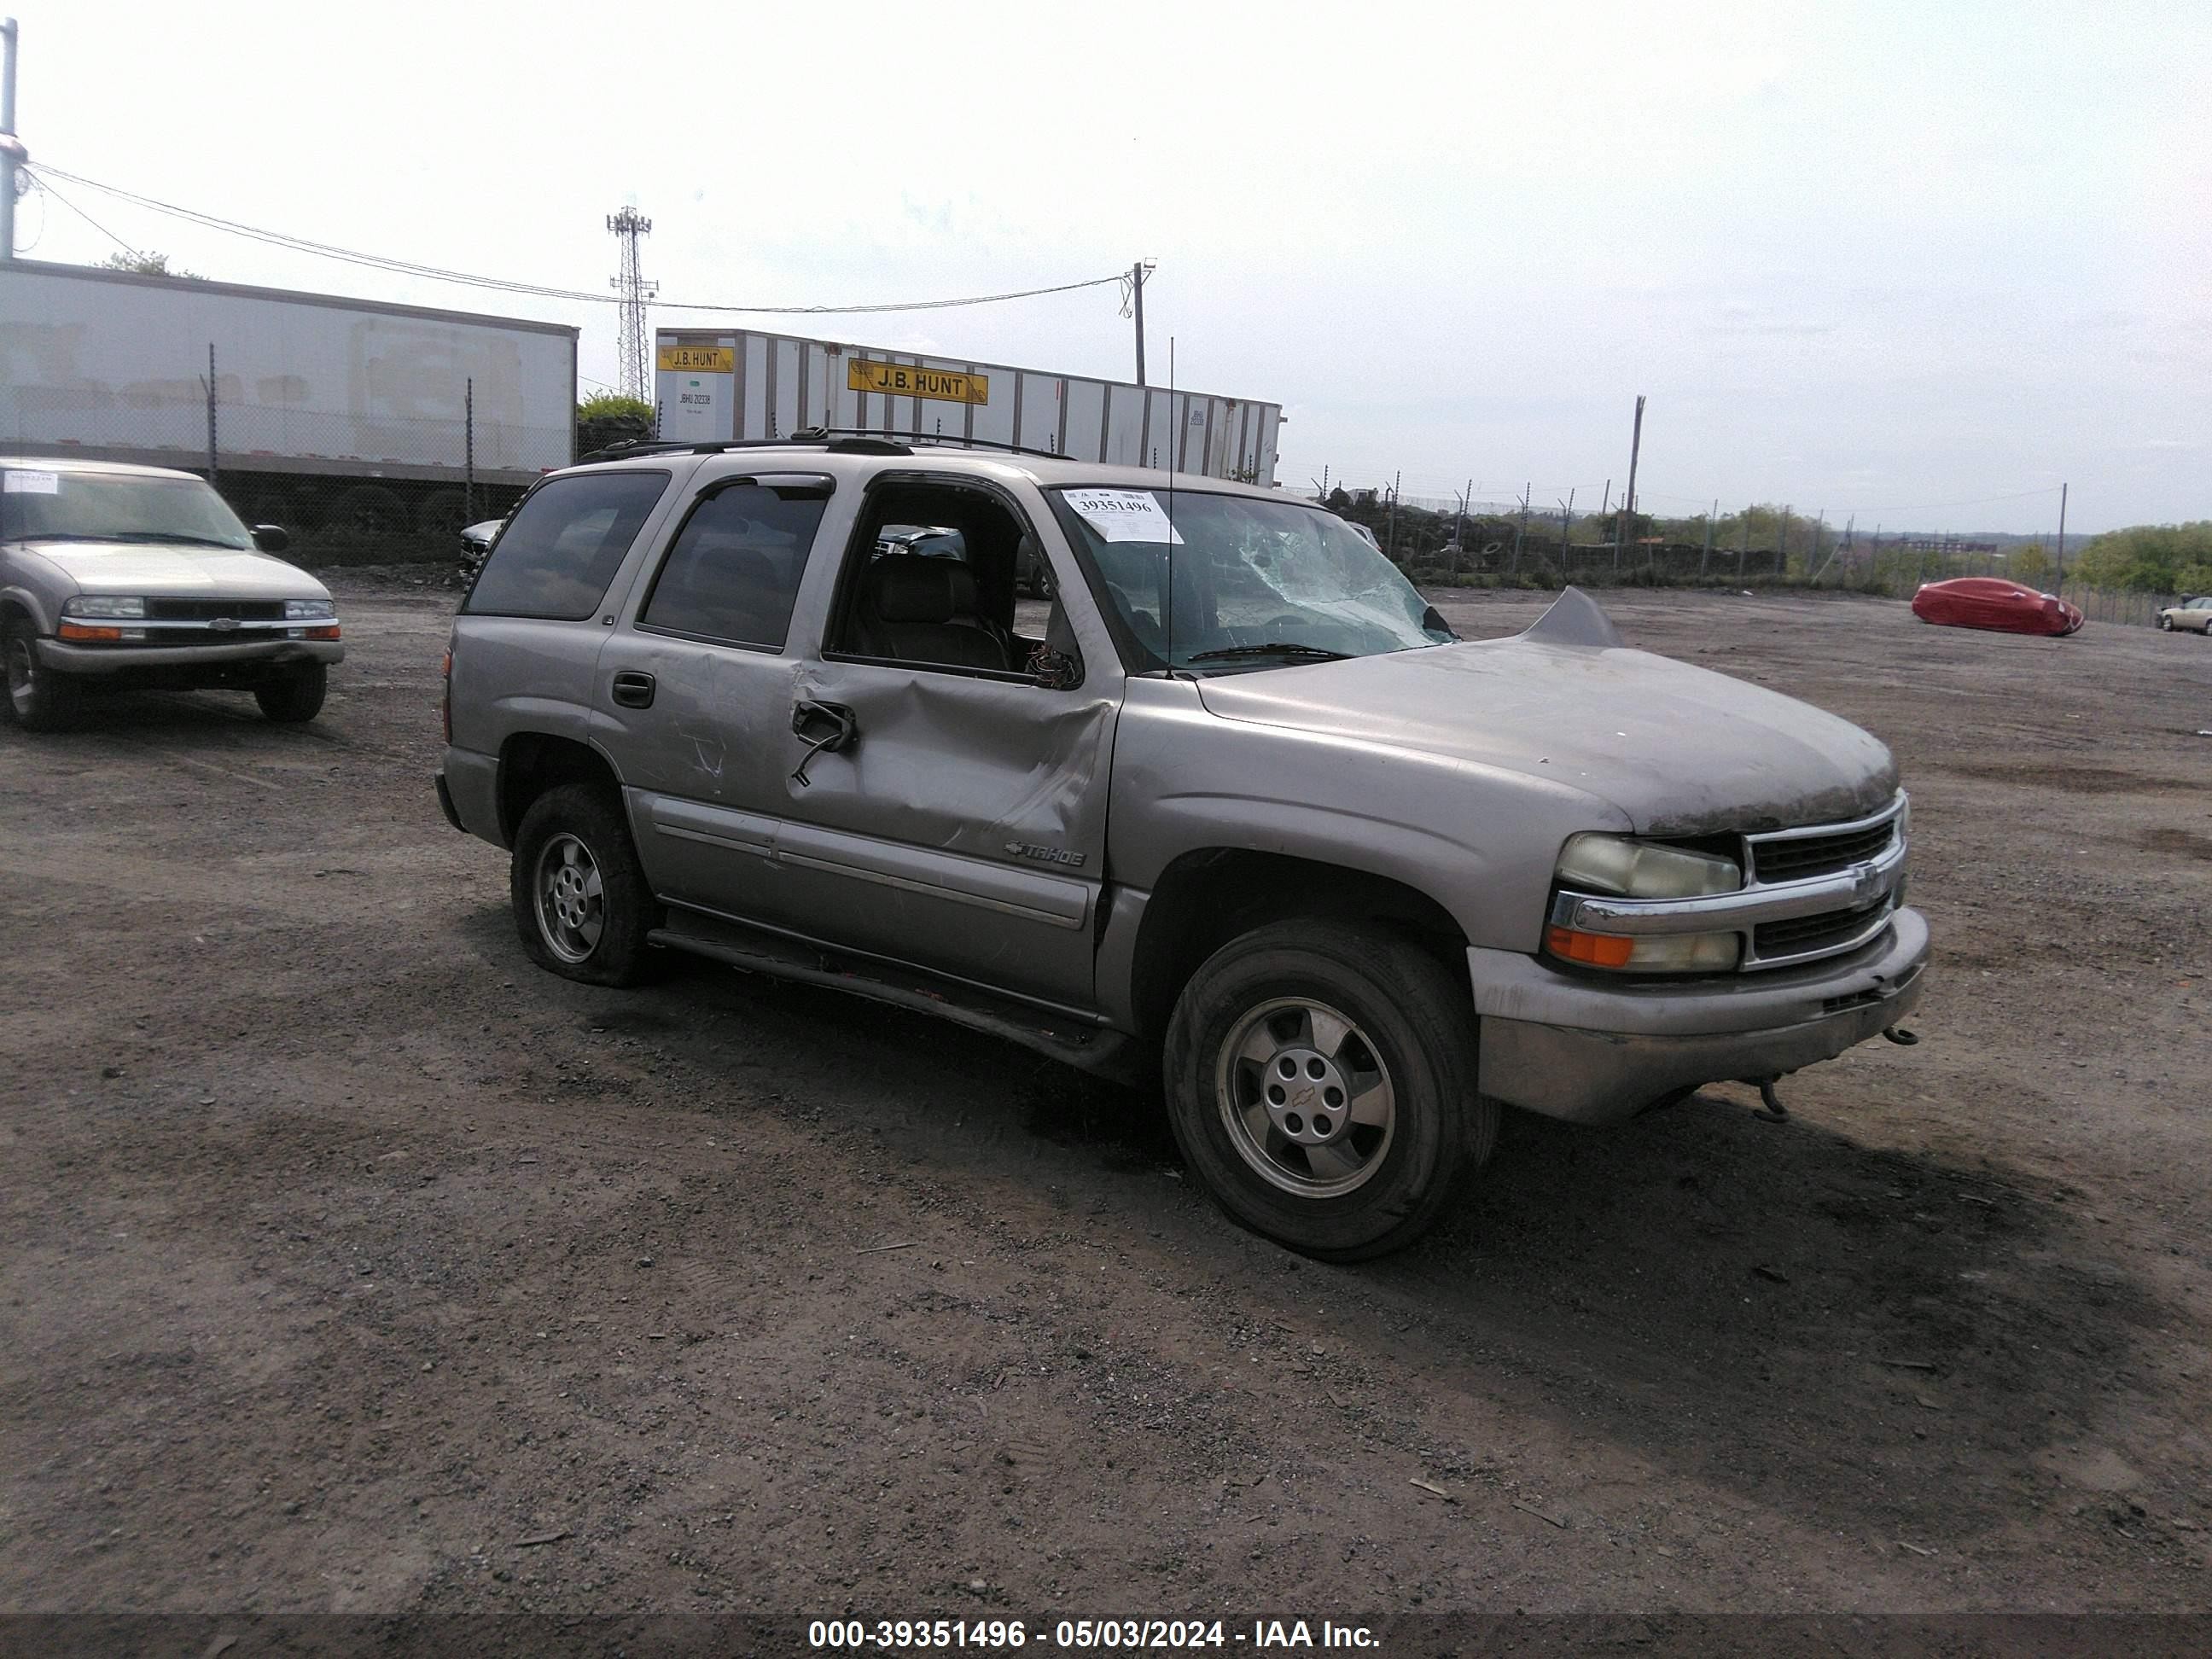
271	538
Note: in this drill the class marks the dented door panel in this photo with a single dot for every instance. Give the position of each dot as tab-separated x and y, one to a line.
701	762
963	829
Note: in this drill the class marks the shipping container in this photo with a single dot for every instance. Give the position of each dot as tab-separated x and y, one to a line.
712	386
370	423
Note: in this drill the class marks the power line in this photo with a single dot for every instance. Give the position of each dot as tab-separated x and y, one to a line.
505	285
46	188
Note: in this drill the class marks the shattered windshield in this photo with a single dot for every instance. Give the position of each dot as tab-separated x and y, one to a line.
1219	583
69	504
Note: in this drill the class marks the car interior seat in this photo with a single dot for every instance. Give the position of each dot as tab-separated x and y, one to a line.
924	609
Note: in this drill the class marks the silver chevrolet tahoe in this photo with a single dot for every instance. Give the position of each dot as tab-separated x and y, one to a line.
115	577
1238	805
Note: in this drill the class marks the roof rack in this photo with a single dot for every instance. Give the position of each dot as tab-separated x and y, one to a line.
630	448
838	440
947	439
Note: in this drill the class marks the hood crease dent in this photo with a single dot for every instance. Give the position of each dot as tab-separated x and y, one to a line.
1682	751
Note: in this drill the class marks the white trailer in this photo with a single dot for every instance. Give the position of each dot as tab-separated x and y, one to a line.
368	430
718	386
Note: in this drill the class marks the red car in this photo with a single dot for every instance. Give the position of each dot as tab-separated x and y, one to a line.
1994	603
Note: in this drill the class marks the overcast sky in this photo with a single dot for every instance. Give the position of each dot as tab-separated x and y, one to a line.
1918	262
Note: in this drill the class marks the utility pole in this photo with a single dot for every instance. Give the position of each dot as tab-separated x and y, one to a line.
1705	559
1390	524
1628	500
1566	525
1459	529
12	153
1782	543
1137	274
2058	586
1525	490
636	378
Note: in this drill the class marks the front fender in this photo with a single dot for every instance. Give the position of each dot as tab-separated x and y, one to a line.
1481	842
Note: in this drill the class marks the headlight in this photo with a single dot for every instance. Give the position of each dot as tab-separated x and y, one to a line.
309	610
103	604
1635	869
1638	869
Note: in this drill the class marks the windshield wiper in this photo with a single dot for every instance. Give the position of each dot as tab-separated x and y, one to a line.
178	536
1275	648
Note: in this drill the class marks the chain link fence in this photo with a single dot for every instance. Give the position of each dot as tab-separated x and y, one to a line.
1447	541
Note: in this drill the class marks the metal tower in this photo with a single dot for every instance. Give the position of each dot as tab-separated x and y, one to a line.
636	373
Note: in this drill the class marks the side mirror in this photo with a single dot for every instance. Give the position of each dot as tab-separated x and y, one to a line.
271	538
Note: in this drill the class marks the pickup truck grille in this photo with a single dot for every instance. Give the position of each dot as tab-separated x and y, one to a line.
1801	935
1795	858
209	610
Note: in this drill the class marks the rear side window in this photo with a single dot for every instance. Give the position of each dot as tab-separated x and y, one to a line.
734	571
561	548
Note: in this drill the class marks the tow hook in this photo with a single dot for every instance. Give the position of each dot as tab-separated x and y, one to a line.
1901	1037
1772	1109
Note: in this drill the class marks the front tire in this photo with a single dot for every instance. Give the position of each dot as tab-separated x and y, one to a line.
296	698
582	905
1321	1081
39	699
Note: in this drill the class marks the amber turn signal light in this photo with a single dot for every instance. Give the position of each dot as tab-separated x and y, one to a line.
1598	950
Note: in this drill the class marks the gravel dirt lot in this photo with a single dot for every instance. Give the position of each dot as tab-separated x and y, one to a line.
347	1262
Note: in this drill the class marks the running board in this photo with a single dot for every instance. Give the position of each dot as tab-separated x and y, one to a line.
1064	1038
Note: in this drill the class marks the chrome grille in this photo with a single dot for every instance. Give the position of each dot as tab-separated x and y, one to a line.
1802	934
1820	854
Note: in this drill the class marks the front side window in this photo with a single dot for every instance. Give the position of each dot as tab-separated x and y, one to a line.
564	545
1217	583
66	505
733	572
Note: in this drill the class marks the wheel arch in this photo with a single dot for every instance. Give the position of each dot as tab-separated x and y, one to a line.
21	603
531	762
1205	898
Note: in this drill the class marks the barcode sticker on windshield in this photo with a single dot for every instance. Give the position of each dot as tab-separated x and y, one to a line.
33	483
1124	515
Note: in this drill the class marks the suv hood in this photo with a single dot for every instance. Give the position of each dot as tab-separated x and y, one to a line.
176	571
1680	751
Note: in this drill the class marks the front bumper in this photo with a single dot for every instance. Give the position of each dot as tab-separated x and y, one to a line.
1571	1048
123	660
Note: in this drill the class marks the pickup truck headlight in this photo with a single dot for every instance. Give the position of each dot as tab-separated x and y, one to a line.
104	605
1645	870
309	610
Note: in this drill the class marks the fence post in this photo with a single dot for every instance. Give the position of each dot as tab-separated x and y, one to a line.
211	391
468	452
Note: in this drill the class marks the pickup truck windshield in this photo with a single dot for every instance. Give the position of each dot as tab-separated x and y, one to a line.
115	507
1254	584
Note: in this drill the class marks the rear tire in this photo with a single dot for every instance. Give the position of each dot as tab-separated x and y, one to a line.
296	698
1321	1081
582	905
39	699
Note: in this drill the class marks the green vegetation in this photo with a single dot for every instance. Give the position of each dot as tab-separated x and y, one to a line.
610	418
147	263
2149	558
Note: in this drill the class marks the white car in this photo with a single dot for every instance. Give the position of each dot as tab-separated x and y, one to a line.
115	577
2192	615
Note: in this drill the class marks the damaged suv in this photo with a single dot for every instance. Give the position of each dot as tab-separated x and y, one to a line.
1236	812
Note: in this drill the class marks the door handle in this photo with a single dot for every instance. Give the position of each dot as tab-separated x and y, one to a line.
827	727
633	689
